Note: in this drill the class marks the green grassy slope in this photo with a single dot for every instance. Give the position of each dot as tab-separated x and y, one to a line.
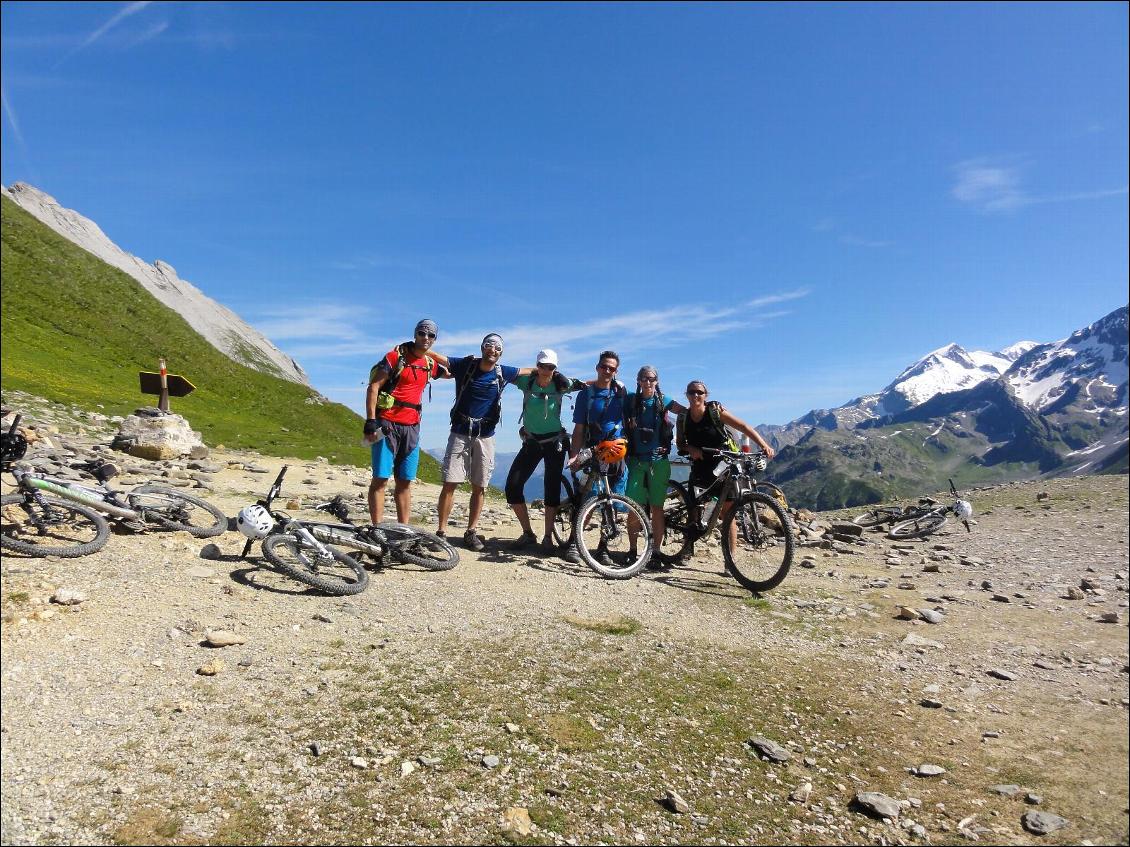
76	330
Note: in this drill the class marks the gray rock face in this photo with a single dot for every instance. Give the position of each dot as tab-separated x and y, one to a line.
770	749
220	326
157	438
878	804
1042	823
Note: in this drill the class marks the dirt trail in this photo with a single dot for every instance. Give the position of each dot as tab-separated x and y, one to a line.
434	705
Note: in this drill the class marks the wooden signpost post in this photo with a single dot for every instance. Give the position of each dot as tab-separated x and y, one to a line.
165	385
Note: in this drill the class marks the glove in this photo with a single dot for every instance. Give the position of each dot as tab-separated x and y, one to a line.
372	426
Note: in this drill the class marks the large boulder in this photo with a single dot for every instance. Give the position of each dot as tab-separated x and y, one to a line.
158	436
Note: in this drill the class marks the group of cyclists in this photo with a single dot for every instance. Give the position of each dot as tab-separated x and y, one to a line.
631	430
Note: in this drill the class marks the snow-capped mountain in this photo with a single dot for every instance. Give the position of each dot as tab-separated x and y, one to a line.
950	368
1087	370
942	371
220	326
1031	410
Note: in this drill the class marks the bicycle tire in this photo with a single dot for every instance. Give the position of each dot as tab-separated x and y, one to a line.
872	517
176	511
764	553
918	527
620	564
678	527
417	547
302	568
563	520
11	524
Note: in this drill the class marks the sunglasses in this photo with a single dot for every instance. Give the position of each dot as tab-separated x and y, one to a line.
493	346
609	368
696	393
547	366
649	379
424	334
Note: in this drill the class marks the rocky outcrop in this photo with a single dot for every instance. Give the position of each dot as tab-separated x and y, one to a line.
220	326
158	437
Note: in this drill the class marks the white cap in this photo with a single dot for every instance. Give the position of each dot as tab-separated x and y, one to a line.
547	357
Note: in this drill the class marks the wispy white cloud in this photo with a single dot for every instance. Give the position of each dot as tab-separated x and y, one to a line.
17	133
992	188
322	320
115	19
987	187
339	331
832	226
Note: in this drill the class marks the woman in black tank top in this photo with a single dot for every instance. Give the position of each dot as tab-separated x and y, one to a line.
704	426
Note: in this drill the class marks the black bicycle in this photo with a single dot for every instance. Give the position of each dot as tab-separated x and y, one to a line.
757	534
593	520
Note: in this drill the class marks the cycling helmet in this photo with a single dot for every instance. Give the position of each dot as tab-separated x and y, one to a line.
963	509
612	451
255	522
760	463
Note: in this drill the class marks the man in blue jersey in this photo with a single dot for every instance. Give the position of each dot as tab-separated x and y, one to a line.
598	415
479	383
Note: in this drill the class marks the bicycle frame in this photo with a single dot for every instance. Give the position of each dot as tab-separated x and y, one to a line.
97	498
736	483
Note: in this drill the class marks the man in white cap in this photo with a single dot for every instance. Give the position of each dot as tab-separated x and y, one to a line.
479	383
392	416
543	440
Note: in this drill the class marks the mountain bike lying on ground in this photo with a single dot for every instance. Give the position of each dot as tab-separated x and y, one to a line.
920	526
924	518
387	542
757	534
594	520
879	516
291	546
50	516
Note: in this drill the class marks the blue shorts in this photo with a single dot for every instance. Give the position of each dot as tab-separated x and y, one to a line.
383	462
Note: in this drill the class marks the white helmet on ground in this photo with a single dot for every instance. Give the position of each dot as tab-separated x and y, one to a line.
963	509
255	522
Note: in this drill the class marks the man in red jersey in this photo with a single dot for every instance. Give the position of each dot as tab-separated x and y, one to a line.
392	416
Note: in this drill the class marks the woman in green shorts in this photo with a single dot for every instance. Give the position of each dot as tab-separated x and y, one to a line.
649	443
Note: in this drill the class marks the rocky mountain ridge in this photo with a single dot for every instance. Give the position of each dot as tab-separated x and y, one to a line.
220	326
1058	409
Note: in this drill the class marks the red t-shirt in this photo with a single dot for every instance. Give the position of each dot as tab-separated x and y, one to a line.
409	386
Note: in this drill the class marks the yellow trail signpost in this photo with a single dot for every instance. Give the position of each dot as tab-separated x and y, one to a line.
165	385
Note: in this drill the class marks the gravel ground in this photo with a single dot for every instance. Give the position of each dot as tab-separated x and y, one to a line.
521	698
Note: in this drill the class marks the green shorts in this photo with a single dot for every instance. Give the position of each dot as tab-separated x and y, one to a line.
647	481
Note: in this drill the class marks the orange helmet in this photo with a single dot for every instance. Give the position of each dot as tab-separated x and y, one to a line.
612	451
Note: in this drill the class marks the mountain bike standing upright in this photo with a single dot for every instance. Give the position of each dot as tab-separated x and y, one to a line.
757	534
593	519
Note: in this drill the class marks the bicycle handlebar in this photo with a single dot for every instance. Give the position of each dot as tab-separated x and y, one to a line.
276	487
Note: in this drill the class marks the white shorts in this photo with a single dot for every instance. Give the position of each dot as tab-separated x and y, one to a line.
468	458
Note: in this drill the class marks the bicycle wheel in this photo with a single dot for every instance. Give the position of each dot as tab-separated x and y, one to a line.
761	552
337	574
419	547
918	527
563	520
872	517
51	528
602	536
678	529
174	509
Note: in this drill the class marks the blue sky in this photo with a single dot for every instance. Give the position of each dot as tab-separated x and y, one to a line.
793	202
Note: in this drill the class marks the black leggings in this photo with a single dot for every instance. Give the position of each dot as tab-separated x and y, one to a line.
527	460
